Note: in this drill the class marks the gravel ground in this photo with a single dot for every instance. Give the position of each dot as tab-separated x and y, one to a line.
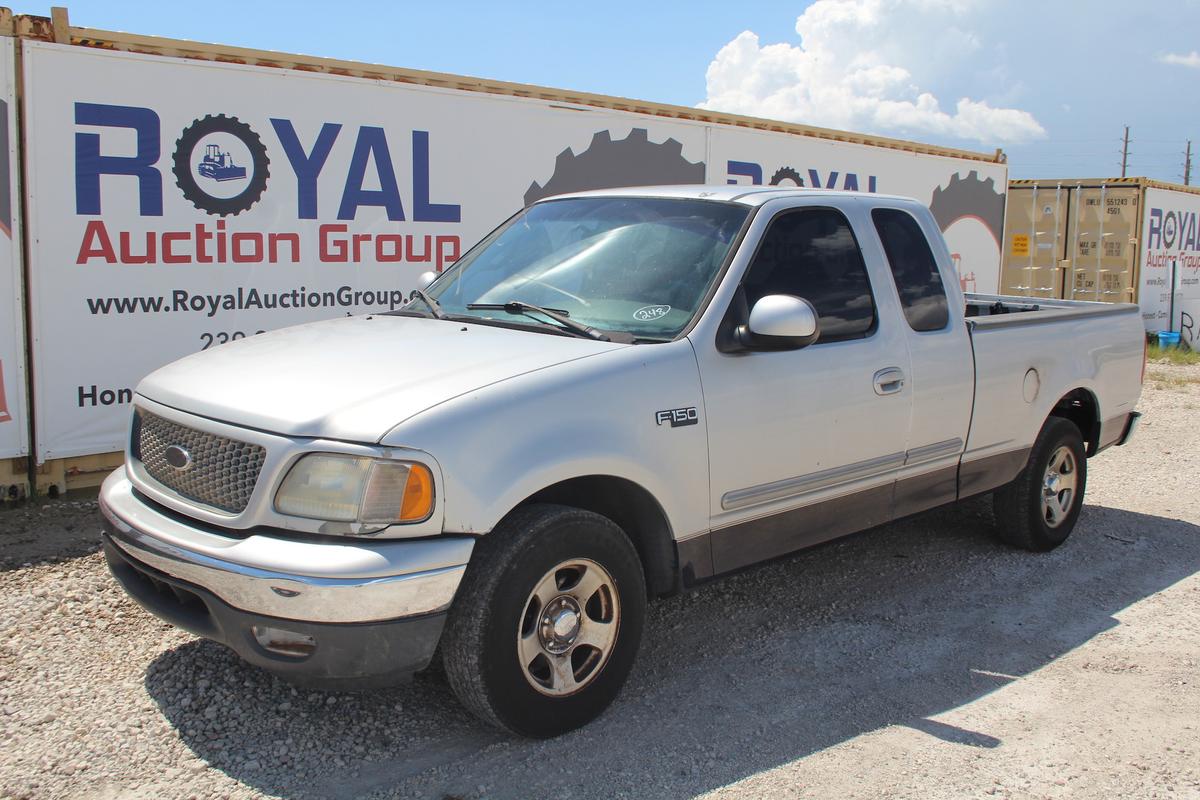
918	660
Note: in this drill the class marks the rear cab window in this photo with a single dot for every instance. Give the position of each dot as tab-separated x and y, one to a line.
914	269
812	253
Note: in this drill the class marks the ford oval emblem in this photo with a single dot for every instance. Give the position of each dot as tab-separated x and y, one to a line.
177	457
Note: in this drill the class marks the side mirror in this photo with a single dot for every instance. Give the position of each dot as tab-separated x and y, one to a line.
423	281
780	322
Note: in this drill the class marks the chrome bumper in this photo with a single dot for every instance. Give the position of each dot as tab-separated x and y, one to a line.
349	581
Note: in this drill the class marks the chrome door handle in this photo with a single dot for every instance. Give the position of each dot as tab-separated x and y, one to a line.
889	380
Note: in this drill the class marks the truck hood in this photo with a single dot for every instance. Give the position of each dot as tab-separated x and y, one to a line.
354	378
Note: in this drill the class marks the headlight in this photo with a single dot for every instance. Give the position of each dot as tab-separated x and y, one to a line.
354	489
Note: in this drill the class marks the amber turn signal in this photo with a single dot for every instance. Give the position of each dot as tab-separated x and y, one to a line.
418	494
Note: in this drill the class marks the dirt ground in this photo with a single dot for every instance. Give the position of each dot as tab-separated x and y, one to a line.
918	660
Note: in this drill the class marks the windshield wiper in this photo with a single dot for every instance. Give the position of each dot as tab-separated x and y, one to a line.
519	307
434	306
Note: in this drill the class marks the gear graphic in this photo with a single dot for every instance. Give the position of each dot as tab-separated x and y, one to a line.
969	197
786	174
607	164
1169	229
186	180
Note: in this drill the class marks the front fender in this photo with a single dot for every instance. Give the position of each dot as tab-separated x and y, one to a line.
499	444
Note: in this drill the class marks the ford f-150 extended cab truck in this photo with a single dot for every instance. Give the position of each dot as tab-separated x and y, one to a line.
614	396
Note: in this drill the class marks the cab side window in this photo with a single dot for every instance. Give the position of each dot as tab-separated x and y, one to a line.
812	253
914	269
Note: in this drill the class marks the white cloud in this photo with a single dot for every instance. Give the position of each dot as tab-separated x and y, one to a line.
1191	59
871	66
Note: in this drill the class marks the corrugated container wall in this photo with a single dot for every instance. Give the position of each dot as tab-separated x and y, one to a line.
1071	241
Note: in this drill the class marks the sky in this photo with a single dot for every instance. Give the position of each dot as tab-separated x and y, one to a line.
1051	82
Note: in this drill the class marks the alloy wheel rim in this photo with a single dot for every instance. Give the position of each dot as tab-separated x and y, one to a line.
1058	486
568	628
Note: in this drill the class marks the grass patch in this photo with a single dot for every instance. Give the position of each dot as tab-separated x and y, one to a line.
1162	380
1172	355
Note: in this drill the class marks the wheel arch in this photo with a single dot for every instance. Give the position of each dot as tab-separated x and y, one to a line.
1081	407
634	509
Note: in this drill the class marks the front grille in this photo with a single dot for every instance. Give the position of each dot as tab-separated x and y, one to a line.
221	472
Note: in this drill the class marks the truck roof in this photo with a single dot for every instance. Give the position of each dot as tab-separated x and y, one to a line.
747	195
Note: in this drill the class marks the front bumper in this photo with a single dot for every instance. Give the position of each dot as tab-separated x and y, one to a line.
373	610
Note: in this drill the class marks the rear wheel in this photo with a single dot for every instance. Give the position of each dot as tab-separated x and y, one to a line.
547	622
1038	510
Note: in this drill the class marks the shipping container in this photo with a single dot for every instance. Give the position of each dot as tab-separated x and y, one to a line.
180	195
1121	240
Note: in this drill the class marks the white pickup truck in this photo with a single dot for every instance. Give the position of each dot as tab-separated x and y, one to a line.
614	396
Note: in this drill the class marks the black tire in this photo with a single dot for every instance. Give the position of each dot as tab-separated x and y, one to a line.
479	646
182	165
1021	517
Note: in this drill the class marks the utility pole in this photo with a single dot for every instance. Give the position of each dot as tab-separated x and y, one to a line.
1125	152
1187	164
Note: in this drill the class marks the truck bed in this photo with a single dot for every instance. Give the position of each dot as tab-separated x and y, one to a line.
1032	355
996	311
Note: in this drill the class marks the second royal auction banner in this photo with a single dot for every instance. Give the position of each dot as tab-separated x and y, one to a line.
1170	276
175	205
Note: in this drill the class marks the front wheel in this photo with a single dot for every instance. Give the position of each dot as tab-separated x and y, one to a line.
1038	510
547	622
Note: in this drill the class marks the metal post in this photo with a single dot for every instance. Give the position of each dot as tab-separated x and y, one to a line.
1054	270
1187	164
1171	302
1125	152
1100	239
1033	219
1075	239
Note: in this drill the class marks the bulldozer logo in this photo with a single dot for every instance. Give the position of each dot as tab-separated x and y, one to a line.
221	165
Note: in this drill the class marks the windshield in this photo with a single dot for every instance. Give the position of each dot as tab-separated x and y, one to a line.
640	266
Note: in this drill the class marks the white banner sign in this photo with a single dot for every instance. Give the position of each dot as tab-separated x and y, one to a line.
14	417
177	204
1170	264
967	198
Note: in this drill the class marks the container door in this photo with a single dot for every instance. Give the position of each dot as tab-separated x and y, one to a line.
1103	241
1035	239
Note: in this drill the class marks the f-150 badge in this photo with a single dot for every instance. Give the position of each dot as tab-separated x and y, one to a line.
678	416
